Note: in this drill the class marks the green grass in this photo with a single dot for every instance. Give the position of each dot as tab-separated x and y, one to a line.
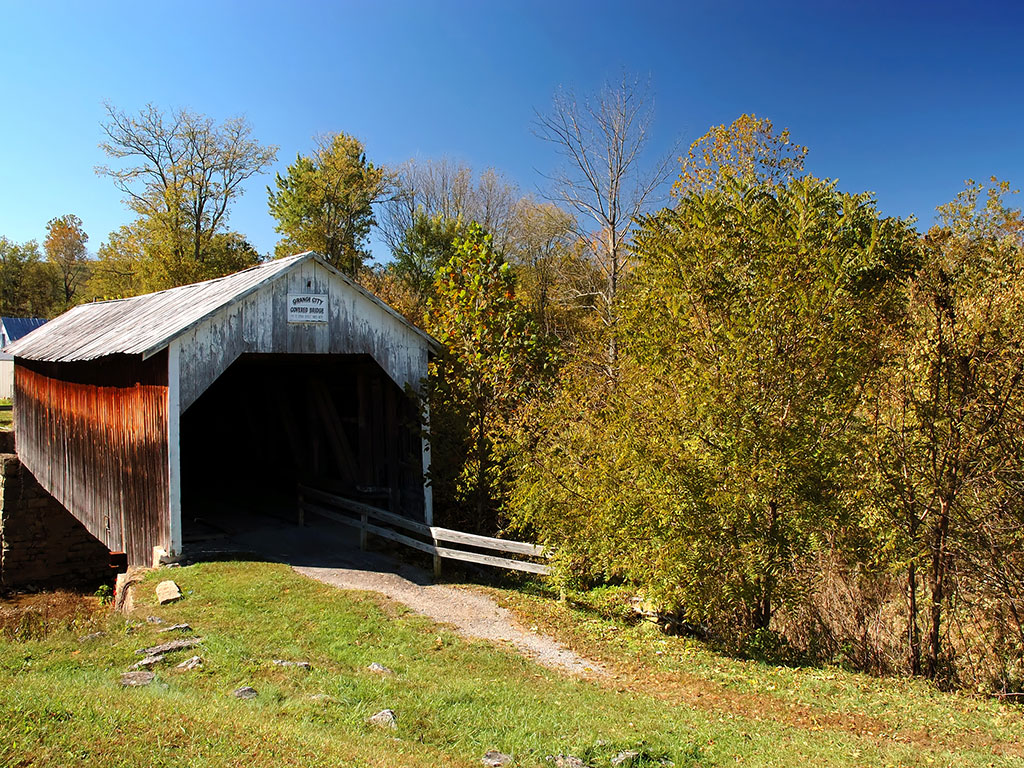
60	701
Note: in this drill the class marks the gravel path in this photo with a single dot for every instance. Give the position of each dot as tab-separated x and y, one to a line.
328	553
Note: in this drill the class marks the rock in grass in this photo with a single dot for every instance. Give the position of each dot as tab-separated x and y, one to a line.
91	636
136	679
149	661
625	757
175	628
189	664
167	592
495	759
386	718
569	761
173	645
380	669
245	692
154	620
301	664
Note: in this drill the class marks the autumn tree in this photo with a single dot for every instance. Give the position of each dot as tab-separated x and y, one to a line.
747	149
180	172
492	359
949	428
324	202
65	249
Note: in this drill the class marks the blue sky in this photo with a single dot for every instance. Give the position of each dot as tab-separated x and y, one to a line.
904	99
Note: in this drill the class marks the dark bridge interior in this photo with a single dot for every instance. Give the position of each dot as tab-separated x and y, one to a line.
271	422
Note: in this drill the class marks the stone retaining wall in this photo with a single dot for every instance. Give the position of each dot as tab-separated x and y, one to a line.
41	543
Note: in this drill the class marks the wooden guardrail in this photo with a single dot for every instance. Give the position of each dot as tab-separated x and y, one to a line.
367	520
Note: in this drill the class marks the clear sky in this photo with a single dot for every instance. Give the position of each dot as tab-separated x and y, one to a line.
906	99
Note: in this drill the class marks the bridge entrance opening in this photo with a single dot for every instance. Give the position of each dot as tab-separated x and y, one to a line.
272	422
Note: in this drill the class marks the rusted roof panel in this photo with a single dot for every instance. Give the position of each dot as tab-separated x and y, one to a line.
143	325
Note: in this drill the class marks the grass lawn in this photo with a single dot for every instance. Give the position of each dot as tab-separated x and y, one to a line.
668	699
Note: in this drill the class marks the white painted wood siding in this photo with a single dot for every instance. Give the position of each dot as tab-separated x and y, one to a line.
258	324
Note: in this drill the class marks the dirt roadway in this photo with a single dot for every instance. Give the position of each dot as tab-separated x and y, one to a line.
329	553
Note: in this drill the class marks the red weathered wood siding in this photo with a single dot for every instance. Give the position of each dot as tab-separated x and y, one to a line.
94	434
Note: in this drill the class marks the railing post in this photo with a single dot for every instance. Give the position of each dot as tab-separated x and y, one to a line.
362	530
437	559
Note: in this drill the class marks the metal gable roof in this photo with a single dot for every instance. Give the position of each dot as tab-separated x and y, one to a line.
16	327
143	325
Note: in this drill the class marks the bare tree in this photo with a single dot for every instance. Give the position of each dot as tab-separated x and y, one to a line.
449	190
606	179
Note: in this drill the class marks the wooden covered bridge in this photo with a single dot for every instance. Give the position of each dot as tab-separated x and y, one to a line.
143	414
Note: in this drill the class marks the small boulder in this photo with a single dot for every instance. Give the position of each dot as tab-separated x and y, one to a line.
189	664
175	628
300	664
386	718
149	661
245	692
167	592
569	761
170	647
625	757
91	636
136	679
154	620
495	759
380	669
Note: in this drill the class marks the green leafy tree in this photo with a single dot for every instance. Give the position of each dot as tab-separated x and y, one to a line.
493	357
428	245
28	285
180	172
133	261
324	202
65	249
714	468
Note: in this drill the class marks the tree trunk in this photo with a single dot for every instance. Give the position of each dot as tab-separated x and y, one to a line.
937	579
913	631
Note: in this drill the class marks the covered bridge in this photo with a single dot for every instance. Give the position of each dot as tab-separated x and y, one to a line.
144	415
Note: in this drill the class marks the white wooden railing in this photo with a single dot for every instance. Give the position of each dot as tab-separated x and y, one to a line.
368	519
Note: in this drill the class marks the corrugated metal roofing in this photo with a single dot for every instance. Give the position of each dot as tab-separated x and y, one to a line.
143	325
16	327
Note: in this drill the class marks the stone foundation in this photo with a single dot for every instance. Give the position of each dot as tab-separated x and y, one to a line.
41	543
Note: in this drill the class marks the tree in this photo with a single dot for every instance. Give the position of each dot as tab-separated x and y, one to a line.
949	428
714	467
181	174
428	245
491	362
133	261
554	276
747	149
324	203
606	179
123	265
28	285
450	191
65	249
